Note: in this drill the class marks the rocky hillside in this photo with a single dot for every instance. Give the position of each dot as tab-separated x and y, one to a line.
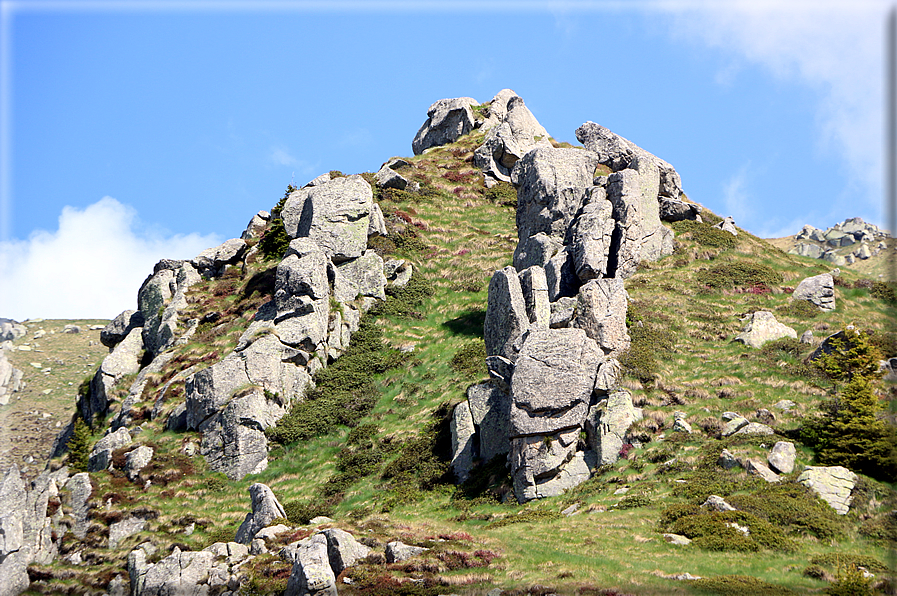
852	243
502	365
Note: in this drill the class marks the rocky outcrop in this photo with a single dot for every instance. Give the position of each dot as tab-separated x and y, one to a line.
213	261
10	379
727	225
447	121
781	457
832	484
265	509
311	574
256	226
124	359
819	290
120	327
160	300
343	550
335	215
187	572
514	131
608	423
11	330
762	327
397	551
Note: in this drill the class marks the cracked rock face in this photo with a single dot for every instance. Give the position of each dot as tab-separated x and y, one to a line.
832	484
818	290
762	327
447	121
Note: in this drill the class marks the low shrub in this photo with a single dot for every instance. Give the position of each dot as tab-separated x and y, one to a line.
422	461
403	301
884	291
301	512
79	445
835	560
850	581
706	235
524	517
739	585
710	530
738	273
503	194
649	341
794	507
470	360
882	527
634	501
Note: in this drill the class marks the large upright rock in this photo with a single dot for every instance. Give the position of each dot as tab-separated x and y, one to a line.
762	327
212	261
180	573
551	185
11	330
447	121
819	290
601	306
160	300
490	410
463	434
516	134
80	489
608	424
553	379
311	574
124	359
12	512
593	236
335	215
265	509
506	316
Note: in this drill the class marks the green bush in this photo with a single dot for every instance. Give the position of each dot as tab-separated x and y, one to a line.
503	194
634	501
738	273
470	359
799	309
882	527
739	585
274	241
884	291
850	581
706	235
422	461
79	445
709	531
650	340
403	301
835	560
344	392
794	507
301	512
524	517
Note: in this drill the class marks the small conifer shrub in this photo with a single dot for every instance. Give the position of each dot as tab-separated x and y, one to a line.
79	445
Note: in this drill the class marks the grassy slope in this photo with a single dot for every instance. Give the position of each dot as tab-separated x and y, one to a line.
602	545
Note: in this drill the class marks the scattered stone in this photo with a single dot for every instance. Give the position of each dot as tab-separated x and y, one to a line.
265	508
101	454
136	460
129	526
765	416
733	425
320	520
754	428
784	405
755	466
819	290
680	424
257	547
727	225
71	329
343	550
807	337
396	552
311	574
717	503
677	540
762	327
781	457
832	484
571	510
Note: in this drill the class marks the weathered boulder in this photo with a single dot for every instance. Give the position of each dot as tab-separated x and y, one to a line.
137	459
377	224
101	454
762	327
179	573
160	299
547	465
819	289
397	551
755	466
551	185
212	261
80	489
386	177
754	428
832	484
601	312
234	441
534	286
120	327
124	359
727	460
12	512
120	530
517	133
463	436
10	379
506	317
806	249
265	508
256	226
678	210
11	330
537	249
733	424
592	236
311	574
447	121
607	425
398	272
365	274
343	550
553	379
717	503
14	573
680	423
490	409
727	225
335	215
781	457
633	194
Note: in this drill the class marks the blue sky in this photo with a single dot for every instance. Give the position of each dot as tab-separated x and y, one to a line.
138	130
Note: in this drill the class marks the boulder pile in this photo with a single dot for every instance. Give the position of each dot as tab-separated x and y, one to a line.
556	319
842	244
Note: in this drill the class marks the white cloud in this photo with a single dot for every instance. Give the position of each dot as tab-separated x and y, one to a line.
736	197
836	47
91	267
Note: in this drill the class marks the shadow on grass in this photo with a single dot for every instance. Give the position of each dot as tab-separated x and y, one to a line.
470	323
